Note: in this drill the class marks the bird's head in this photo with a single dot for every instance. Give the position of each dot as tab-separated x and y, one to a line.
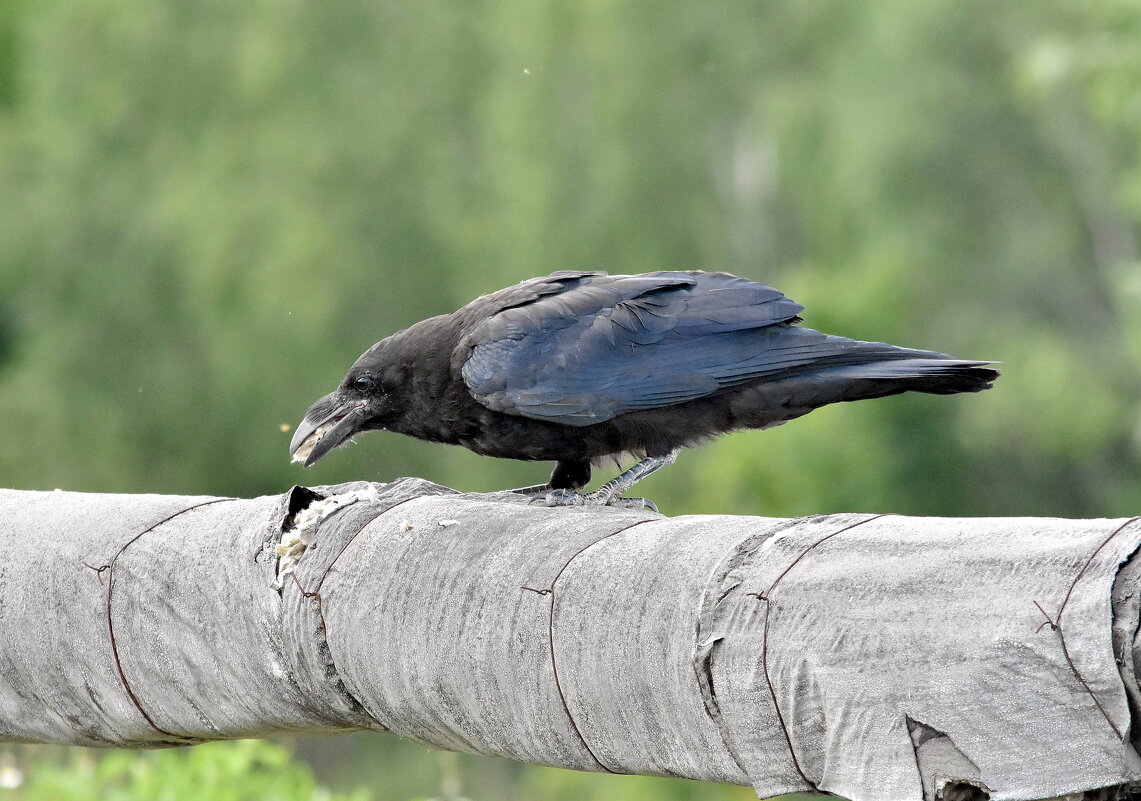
361	403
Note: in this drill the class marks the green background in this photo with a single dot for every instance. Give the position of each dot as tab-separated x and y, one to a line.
208	209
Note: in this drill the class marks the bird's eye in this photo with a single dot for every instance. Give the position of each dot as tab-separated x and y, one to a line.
364	383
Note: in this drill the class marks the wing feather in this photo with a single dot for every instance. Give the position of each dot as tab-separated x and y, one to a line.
581	348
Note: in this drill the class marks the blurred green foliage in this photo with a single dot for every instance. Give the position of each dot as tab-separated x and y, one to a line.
247	770
208	209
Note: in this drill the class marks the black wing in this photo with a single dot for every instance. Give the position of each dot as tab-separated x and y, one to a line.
585	347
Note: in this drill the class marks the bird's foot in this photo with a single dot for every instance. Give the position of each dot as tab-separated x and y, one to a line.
609	494
567	497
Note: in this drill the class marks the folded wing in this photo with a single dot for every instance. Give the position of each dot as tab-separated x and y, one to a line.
582	348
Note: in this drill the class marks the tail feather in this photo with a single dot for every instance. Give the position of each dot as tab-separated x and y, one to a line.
858	371
798	393
935	376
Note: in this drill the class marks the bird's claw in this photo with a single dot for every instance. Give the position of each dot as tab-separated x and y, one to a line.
567	497
559	497
634	503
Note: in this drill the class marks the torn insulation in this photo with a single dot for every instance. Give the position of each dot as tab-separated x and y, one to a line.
302	453
300	529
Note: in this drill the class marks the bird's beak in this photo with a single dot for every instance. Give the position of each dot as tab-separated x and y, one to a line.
328	423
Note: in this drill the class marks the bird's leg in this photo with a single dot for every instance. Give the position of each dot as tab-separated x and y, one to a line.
620	485
610	493
614	489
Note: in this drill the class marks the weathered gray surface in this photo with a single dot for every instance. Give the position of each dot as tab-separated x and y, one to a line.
872	657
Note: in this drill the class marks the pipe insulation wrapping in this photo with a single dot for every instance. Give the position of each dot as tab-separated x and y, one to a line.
869	656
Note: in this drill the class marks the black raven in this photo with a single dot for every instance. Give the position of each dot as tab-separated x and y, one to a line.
578	367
